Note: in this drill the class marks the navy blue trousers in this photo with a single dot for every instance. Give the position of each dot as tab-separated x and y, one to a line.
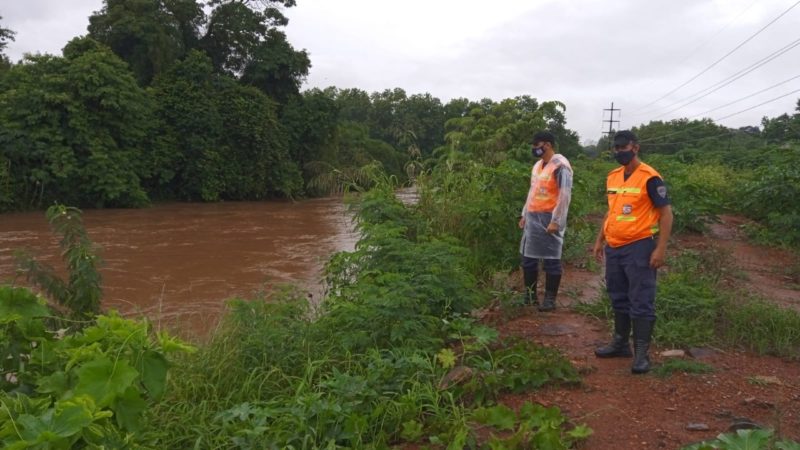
630	281
551	266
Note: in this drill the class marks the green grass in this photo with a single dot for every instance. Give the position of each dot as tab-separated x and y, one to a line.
762	326
695	309
364	373
672	366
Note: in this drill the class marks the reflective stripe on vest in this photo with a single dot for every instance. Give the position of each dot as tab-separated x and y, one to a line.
631	214
545	188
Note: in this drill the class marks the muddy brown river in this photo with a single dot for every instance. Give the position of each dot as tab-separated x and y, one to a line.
177	263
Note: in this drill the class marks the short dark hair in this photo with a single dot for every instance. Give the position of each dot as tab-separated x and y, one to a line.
625	137
544	136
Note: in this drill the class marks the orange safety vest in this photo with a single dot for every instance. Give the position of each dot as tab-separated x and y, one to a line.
631	214
544	187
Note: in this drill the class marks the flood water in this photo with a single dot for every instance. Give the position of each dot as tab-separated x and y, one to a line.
177	263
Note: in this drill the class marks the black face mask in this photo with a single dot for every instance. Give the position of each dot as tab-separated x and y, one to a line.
537	152
624	157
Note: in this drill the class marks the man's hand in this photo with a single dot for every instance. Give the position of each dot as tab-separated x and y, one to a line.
522	222
598	251
657	258
552	228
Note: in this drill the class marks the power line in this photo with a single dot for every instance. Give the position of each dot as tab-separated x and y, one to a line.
738	75
746	97
756	106
727	133
644	141
703	123
725	56
705	43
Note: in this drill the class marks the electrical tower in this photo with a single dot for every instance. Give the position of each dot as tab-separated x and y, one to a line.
611	123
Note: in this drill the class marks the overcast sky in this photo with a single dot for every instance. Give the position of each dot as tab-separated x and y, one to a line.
585	53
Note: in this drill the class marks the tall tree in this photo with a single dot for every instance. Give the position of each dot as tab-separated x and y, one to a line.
256	152
192	123
671	136
75	129
276	68
353	103
6	35
420	119
310	121
226	139
244	41
382	121
783	128
150	35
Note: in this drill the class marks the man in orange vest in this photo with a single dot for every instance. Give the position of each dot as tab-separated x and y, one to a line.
544	220
633	241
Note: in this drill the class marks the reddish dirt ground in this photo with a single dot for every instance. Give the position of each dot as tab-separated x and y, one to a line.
645	411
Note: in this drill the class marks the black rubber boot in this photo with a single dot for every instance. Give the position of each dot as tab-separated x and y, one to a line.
551	283
531	277
619	347
642	333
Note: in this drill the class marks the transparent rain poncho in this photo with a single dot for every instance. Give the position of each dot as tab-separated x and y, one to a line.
536	241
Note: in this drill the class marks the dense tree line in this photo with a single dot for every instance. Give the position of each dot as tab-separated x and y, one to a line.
166	99
174	100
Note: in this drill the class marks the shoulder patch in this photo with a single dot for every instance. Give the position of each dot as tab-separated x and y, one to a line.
662	191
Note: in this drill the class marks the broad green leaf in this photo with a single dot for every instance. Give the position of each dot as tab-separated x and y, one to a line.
446	358
128	409
580	432
33	329
485	335
19	445
500	416
66	419
30	427
153	369
548	438
537	416
787	445
412	431
171	344
56	383
19	303
71	417
104	380
700	446
746	439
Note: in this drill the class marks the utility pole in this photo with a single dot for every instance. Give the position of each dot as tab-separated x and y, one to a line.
611	123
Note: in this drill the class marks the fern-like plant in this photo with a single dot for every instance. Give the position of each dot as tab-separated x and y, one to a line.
80	293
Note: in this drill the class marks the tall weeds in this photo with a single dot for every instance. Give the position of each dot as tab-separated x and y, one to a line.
367	371
81	292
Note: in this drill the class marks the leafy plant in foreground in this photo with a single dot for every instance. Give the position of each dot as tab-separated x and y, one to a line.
746	440
89	388
533	427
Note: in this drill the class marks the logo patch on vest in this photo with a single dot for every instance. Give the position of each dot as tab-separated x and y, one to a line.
627	209
662	191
